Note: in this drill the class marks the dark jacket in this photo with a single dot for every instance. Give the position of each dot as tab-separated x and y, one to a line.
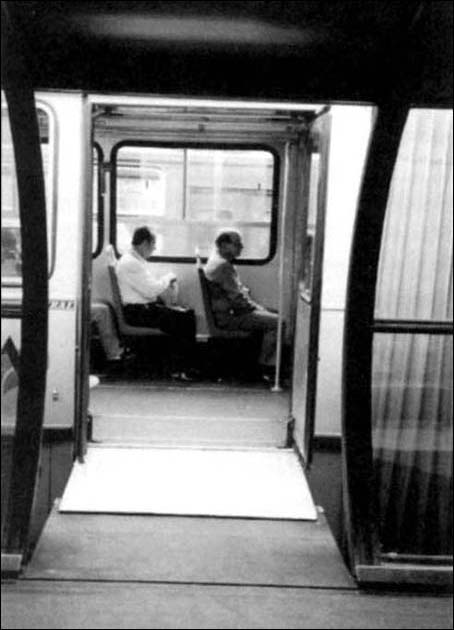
228	295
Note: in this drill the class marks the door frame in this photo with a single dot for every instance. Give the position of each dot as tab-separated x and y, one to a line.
83	307
358	476
19	92
312	298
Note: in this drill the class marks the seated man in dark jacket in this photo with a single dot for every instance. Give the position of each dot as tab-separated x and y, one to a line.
232	306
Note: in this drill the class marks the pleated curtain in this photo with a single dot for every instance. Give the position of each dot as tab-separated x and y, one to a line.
412	373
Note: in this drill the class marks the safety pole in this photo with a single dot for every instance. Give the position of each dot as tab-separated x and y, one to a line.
277	375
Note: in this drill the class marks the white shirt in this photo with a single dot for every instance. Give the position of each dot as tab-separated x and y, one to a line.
137	283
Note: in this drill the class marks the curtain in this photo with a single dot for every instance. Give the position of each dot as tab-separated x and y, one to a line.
412	373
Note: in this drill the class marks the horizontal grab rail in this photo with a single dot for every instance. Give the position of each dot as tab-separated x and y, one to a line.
412	326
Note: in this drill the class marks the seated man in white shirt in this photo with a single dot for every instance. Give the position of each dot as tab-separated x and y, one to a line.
141	294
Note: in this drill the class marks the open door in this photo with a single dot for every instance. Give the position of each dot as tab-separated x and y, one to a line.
309	286
83	381
28	296
397	364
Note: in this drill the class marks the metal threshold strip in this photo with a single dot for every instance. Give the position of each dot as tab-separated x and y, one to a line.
11	564
406	574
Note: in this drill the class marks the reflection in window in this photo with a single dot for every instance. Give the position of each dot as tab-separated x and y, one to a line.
11	239
415	272
9	391
412	441
186	195
412	373
230	185
11	253
309	249
96	205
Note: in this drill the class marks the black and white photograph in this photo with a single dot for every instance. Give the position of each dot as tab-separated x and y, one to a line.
227	314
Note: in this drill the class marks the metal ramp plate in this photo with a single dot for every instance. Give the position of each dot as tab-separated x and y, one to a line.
206	482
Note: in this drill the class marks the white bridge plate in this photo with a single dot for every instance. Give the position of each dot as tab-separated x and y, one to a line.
208	482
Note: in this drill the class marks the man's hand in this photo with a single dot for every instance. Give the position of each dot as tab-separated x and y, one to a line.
171	279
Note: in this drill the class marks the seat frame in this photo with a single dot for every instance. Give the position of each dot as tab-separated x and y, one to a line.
125	329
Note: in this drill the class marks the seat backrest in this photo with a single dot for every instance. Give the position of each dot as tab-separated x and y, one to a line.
213	330
116	297
206	298
110	255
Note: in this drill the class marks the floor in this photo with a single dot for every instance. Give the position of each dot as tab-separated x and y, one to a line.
149	571
106	571
189	549
209	399
58	604
196	414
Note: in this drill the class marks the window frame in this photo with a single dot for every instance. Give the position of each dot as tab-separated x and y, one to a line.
199	145
361	325
99	203
417	327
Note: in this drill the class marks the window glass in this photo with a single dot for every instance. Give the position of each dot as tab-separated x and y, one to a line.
412	442
309	249
412	373
11	240
415	271
96	202
230	185
185	195
9	392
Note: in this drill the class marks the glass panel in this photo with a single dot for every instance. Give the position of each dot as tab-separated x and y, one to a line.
149	187
230	186
415	272
95	200
186	195
8	420
309	249
412	441
11	239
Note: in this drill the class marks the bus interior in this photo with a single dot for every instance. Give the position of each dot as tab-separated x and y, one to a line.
336	471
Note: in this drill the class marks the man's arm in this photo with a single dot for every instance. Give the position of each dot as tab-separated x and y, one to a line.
141	280
227	278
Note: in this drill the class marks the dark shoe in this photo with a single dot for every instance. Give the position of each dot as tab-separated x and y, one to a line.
114	366
182	377
267	374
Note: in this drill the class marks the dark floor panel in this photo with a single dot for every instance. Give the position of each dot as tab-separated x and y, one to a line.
189	400
100	605
189	549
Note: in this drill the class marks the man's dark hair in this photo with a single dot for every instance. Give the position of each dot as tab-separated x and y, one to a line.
226	236
142	234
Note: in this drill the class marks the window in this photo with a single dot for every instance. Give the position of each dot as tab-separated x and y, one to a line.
11	239
97	202
415	272
9	391
312	209
187	194
412	351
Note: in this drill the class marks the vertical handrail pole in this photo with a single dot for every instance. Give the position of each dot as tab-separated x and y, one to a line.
277	374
